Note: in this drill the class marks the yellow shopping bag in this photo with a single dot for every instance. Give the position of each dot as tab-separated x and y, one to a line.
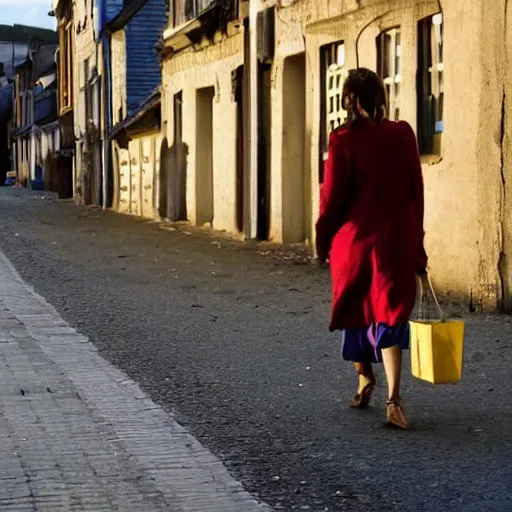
436	346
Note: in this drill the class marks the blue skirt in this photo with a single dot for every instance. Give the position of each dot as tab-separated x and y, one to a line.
365	345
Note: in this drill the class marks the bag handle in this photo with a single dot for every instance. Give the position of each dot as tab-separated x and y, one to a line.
442	314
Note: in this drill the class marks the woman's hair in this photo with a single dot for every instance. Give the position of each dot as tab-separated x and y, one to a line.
366	86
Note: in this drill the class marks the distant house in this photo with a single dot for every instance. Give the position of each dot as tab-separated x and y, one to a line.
14	45
14	41
36	127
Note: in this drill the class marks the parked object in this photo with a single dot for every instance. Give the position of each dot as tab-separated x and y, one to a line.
10	179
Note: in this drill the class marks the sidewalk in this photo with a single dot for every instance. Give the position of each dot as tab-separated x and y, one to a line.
77	434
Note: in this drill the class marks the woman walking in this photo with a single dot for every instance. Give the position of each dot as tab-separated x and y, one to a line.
370	229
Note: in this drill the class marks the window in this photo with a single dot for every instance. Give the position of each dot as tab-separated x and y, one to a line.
333	77
430	84
181	11
388	67
66	67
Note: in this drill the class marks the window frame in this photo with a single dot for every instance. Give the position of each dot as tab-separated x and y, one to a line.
332	113
389	54
430	84
183	11
66	66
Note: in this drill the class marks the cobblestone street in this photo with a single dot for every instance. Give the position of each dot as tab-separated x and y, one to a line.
164	368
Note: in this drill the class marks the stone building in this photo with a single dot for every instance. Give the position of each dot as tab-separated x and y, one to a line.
445	68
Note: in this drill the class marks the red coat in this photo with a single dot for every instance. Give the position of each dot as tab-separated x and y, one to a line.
371	223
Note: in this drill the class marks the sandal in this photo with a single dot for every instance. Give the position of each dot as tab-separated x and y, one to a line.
396	414
363	397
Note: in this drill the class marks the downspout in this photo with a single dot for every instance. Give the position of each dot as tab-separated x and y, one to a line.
106	116
253	120
33	127
106	94
32	139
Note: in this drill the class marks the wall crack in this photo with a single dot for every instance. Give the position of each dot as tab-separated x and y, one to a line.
503	302
502	259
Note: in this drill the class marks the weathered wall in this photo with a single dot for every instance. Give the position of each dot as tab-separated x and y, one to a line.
303	27
139	168
289	174
463	189
488	237
505	263
210	66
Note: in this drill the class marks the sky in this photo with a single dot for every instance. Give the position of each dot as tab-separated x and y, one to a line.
26	12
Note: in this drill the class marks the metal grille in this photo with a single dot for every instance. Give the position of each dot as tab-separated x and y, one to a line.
335	115
389	53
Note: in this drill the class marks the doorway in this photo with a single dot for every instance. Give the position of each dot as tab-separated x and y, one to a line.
264	149
178	154
204	155
241	144
293	161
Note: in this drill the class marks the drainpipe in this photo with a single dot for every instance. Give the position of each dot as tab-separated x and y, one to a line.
105	93
253	120
32	139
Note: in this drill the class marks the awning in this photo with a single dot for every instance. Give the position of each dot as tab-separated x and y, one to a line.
176	37
152	102
22	131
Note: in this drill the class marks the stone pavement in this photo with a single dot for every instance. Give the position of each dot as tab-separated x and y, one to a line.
231	340
77	434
